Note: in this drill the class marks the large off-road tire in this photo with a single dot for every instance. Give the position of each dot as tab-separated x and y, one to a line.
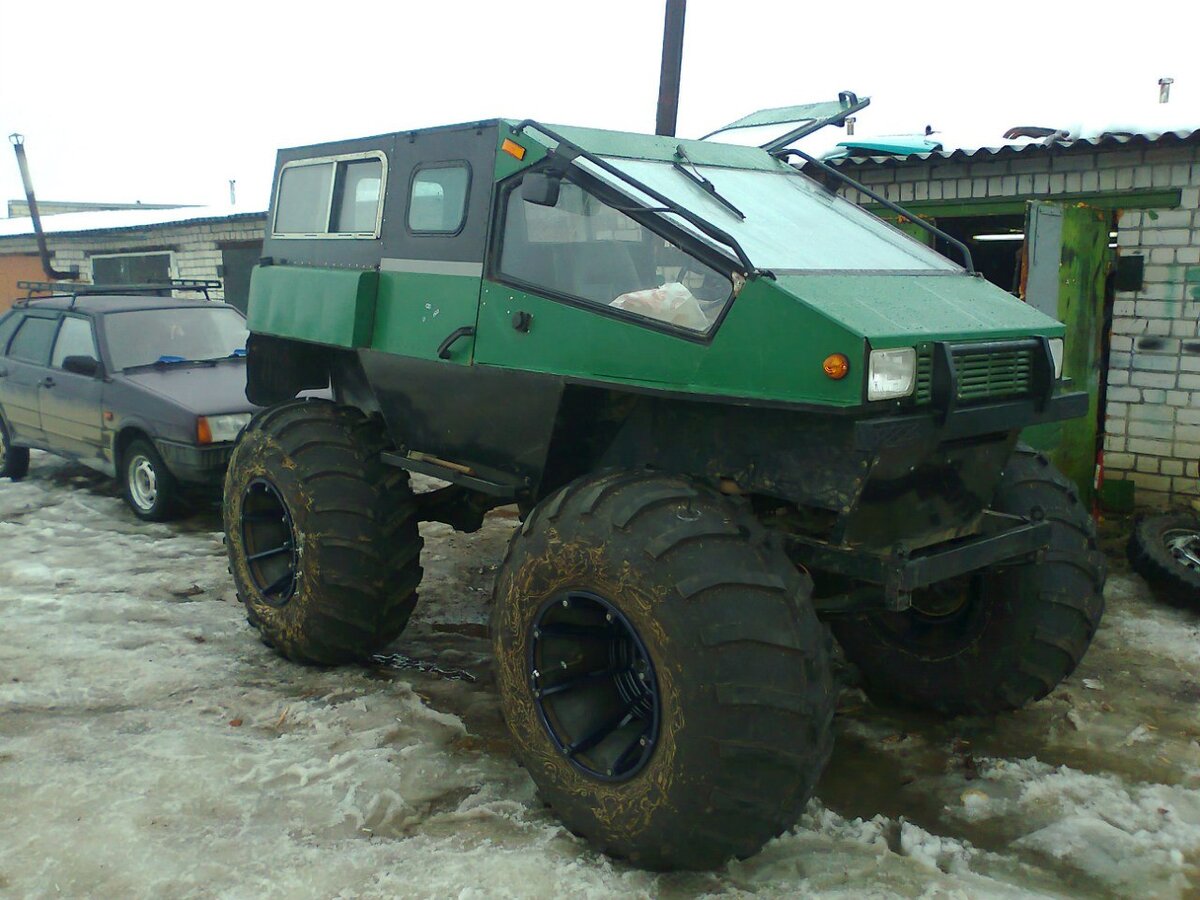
661	669
1165	550
149	487
1002	637
322	535
14	461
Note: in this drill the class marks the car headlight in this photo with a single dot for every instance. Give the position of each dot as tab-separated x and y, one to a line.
220	429
1056	353
891	373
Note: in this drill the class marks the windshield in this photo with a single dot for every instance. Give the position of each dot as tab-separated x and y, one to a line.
146	336
791	223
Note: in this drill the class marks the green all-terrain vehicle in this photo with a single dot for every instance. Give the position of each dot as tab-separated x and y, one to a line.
729	405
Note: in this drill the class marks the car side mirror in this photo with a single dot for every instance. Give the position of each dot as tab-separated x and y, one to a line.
540	188
82	365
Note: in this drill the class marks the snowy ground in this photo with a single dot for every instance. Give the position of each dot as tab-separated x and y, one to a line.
150	746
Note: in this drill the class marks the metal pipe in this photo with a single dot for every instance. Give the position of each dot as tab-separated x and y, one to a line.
1164	89
672	62
18	142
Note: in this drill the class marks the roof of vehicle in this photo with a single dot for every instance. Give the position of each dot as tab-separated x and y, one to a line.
112	303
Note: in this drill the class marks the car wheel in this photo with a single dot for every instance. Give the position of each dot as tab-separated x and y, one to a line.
14	461
150	489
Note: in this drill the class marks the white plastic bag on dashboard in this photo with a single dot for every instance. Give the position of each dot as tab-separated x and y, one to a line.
672	303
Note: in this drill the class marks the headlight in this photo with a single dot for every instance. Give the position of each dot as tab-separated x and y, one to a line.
1056	353
891	373
220	429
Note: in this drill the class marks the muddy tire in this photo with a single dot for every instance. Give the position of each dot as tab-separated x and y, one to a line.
148	485
322	535
14	461
1165	550
662	672
999	638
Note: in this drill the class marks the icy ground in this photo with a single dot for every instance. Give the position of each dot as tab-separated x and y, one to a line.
150	746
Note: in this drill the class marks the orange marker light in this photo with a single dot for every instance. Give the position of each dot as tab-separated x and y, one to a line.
203	431
512	148
836	366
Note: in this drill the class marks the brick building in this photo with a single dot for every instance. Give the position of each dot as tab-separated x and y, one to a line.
1145	189
137	245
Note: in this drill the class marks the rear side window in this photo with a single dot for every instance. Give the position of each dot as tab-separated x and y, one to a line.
74	339
32	341
338	196
437	202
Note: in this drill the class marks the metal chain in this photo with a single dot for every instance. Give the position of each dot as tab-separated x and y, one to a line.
400	661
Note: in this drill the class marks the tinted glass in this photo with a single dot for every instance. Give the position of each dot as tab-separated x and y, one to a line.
585	249
303	203
32	340
74	339
438	202
356	207
173	335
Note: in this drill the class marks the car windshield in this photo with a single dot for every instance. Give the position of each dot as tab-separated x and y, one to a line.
791	223
147	336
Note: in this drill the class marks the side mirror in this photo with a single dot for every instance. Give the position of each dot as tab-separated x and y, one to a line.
540	188
82	365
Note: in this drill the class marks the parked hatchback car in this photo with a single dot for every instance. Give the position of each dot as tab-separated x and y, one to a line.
148	389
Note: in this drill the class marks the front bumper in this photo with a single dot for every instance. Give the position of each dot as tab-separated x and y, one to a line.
204	466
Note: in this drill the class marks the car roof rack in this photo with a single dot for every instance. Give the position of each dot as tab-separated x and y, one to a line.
49	289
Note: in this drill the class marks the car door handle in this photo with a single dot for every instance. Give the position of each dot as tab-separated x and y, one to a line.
47	381
3	372
452	339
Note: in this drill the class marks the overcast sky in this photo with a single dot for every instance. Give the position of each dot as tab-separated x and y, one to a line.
165	102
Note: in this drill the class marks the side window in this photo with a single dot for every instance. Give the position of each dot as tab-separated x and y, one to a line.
584	249
331	197
8	324
74	339
437	201
32	341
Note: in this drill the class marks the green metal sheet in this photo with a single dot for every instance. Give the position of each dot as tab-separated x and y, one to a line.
416	311
651	146
325	306
903	310
769	347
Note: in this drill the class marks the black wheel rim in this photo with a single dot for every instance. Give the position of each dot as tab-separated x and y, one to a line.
594	686
1184	545
269	540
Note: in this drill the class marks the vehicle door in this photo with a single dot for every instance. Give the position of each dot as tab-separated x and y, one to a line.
71	393
25	368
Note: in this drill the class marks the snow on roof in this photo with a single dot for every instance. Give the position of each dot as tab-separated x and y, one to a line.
120	219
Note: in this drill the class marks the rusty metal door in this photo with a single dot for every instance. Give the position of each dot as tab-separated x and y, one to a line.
1065	265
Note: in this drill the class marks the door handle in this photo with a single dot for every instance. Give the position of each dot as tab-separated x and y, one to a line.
452	338
48	382
3	372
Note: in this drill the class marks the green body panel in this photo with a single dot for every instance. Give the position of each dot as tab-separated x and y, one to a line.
325	306
769	347
902	310
1083	267
651	146
415	312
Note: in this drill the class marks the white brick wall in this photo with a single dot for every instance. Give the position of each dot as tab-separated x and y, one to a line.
1152	425
195	247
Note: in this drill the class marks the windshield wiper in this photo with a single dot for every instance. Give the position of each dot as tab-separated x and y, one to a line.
697	177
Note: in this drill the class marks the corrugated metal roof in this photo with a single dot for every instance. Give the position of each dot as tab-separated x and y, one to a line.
124	220
1031	146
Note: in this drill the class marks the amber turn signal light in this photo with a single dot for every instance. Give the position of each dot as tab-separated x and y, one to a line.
203	431
512	148
836	366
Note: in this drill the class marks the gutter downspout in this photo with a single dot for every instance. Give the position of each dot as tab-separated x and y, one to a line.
18	142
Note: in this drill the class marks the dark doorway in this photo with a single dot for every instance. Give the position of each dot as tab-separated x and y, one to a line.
237	262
